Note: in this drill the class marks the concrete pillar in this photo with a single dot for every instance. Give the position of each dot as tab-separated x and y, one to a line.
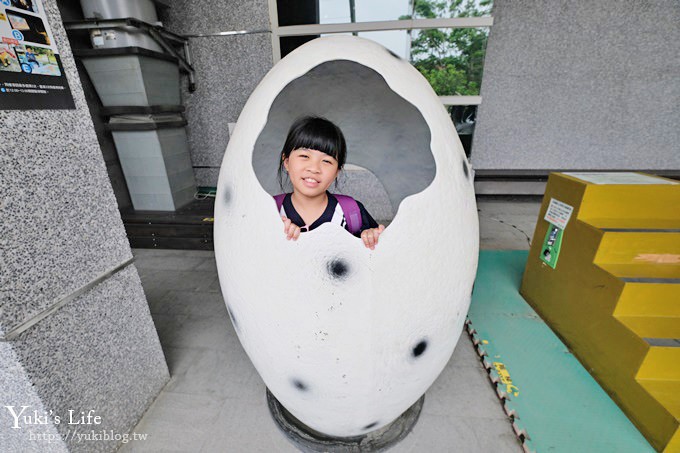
228	68
75	330
580	85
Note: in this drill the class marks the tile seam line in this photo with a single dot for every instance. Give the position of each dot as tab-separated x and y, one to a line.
62	301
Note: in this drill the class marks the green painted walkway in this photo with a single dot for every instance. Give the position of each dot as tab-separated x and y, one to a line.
557	403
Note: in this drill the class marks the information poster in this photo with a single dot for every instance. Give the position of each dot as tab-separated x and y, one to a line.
31	73
557	216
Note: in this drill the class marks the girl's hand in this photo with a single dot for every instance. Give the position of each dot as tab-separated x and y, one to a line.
291	230
370	236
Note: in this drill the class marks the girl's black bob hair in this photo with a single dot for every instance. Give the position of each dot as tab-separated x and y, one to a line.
313	132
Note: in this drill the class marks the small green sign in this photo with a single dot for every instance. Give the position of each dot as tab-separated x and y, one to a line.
551	246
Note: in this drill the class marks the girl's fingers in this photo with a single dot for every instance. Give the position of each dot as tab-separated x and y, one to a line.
368	236
287	224
292	231
375	234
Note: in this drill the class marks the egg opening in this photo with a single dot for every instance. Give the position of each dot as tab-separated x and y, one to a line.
387	137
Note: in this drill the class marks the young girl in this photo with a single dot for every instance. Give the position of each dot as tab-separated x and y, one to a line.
313	155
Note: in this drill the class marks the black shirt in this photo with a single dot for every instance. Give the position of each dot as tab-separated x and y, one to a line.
328	215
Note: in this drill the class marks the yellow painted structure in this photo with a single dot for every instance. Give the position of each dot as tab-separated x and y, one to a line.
614	295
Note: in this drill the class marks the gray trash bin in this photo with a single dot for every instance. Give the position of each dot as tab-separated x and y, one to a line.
131	76
154	155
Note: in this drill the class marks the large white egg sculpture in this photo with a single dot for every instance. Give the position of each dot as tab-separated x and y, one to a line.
346	338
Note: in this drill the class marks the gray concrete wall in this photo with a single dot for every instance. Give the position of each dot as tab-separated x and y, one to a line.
228	68
581	85
73	337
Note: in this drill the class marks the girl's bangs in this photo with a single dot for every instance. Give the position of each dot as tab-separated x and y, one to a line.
320	143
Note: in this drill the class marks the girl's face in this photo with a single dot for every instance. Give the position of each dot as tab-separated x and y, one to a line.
311	172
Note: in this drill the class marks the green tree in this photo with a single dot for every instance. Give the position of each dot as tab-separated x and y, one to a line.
450	59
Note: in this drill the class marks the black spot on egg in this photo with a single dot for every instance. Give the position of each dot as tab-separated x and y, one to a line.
338	268
465	169
298	384
226	195
420	348
371	425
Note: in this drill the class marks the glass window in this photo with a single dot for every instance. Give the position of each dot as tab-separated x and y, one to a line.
435	9
451	59
340	11
299	12
464	117
398	41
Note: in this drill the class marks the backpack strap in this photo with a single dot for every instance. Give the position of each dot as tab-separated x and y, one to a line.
350	208
279	201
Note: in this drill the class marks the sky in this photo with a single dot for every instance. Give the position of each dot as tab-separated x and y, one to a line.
337	11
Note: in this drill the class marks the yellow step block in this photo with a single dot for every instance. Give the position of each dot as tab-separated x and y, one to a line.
640	247
674	444
659	374
646	223
650	310
615	283
642	200
651	272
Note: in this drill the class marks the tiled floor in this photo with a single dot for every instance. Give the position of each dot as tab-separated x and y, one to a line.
215	400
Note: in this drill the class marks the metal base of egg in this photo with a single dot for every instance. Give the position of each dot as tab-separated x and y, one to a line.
309	440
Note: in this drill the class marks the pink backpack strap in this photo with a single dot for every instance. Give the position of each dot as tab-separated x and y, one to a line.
279	201
350	209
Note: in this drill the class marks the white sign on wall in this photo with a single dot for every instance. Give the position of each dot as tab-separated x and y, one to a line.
558	213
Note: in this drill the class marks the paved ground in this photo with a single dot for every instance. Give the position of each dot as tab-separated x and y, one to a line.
215	400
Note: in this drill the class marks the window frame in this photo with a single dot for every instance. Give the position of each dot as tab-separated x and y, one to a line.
350	27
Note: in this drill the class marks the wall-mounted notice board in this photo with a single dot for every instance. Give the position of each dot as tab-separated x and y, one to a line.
31	73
